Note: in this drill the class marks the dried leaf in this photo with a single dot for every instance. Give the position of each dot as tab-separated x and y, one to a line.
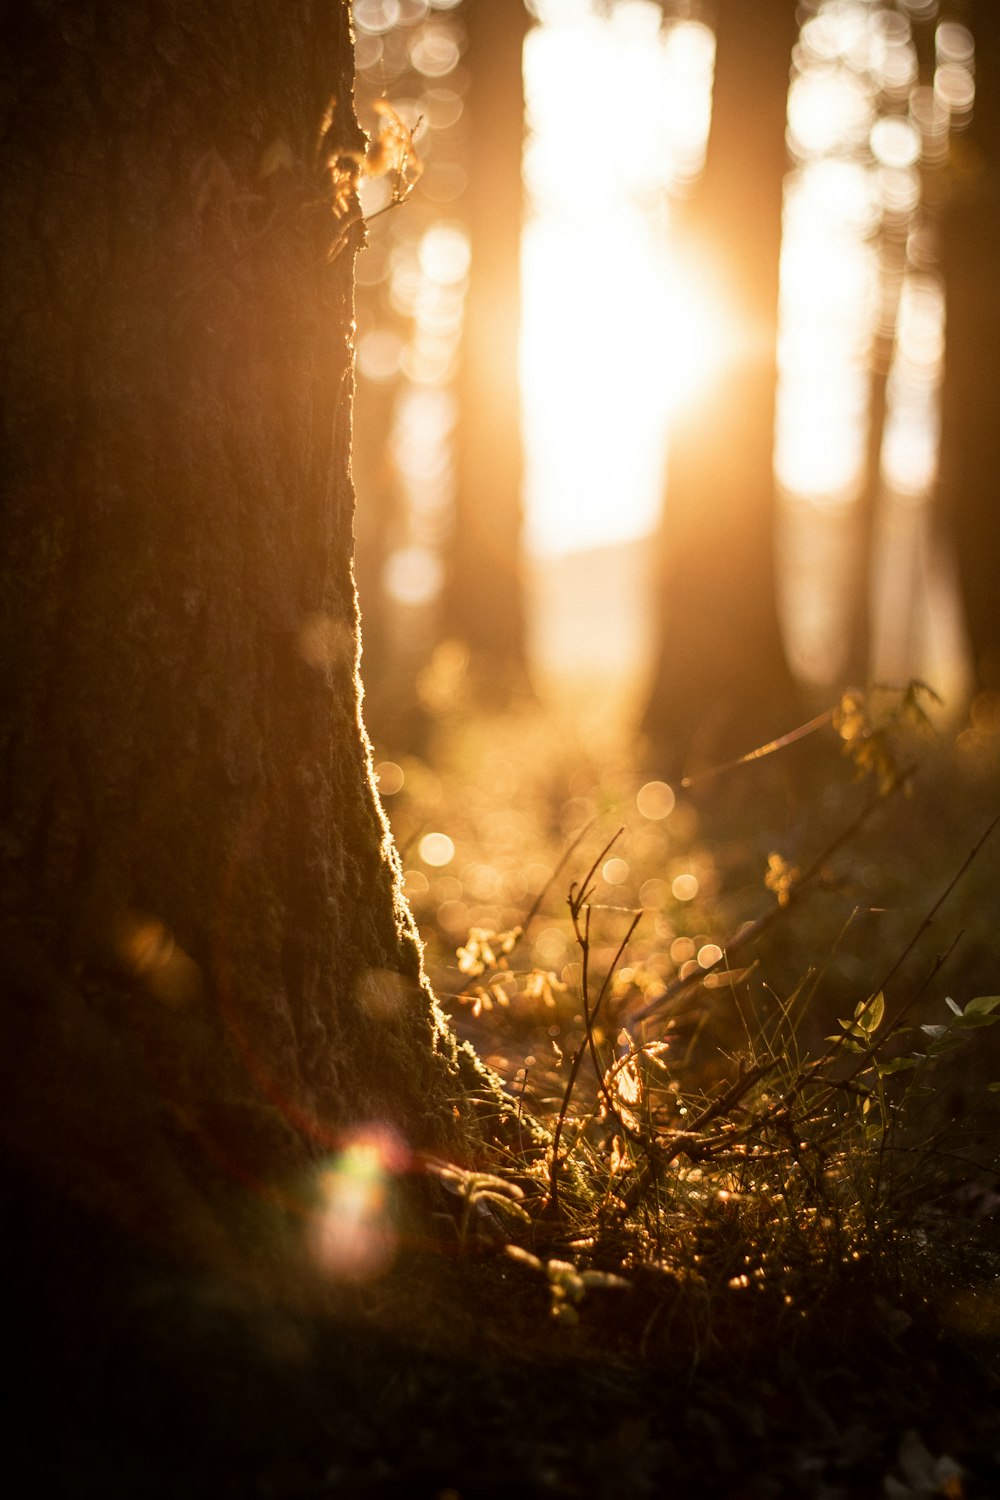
391	151
780	878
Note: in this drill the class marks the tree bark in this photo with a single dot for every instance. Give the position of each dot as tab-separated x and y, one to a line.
722	683
211	973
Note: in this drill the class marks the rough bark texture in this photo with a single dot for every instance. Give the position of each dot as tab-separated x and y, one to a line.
209	970
721	682
484	605
970	437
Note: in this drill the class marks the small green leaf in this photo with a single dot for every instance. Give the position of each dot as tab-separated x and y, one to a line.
898	1065
983	1005
868	1015
952	1006
847	1039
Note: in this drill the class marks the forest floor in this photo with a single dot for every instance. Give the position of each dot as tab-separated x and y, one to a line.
857	1357
450	1379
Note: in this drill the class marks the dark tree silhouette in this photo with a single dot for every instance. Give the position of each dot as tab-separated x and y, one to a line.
722	682
484	604
209	969
970	440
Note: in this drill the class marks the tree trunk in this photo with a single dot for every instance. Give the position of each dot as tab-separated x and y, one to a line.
211	975
970	436
722	683
484	605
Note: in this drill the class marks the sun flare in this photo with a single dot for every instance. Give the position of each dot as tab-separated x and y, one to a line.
624	328
615	336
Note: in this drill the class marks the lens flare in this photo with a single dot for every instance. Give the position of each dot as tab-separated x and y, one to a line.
353	1235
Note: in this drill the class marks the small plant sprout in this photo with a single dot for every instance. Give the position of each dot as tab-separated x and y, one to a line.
857	1033
567	1285
390	153
491	1199
978	1013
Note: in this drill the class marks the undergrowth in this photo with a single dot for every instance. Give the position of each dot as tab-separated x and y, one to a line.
750	1041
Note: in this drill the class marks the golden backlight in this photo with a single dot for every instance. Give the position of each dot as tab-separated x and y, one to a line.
860	292
614	335
621	337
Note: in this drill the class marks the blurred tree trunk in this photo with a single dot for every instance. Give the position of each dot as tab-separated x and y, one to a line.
857	607
722	683
210	974
970	438
484	605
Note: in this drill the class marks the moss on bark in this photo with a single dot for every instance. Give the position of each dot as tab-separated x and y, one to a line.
211	974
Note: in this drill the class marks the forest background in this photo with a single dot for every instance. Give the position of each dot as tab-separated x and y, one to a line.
713	1121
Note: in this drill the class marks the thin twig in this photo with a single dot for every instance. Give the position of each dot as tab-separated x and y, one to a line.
590	1018
929	918
752	930
536	904
762	750
689	1143
895	1024
577	899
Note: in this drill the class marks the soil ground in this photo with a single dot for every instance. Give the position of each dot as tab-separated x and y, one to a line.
449	1379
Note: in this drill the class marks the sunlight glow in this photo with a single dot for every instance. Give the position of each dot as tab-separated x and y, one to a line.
428	282
412	280
593	385
826	108
828	291
909	453
620	334
703	330
611	339
857	281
